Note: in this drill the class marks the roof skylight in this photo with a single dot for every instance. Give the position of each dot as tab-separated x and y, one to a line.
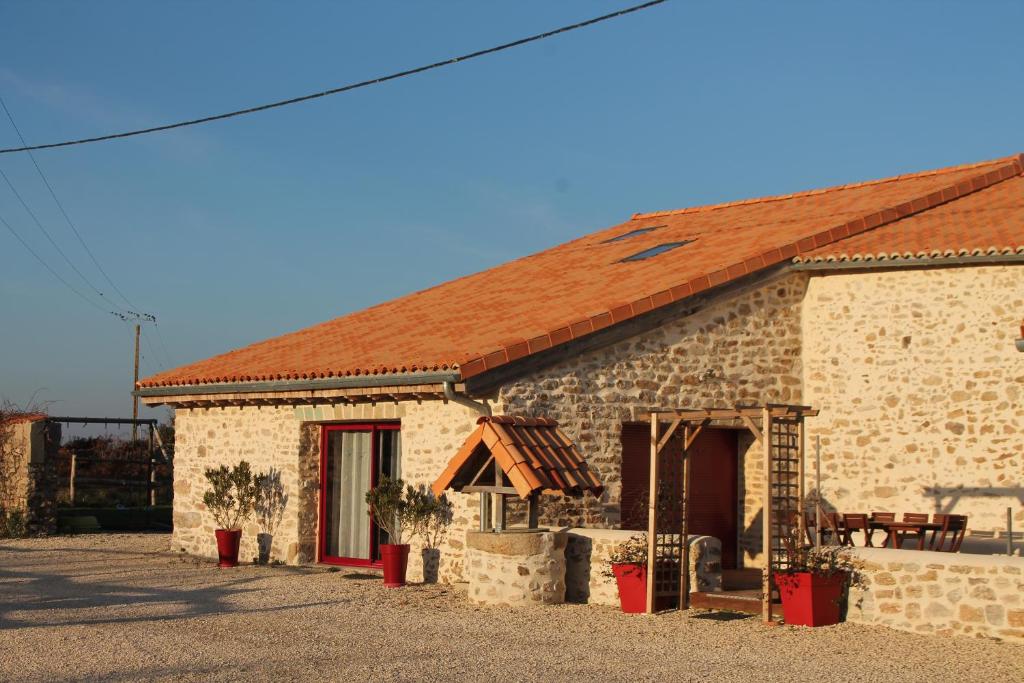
632	233
654	251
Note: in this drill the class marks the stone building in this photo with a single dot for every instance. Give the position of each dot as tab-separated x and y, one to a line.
890	305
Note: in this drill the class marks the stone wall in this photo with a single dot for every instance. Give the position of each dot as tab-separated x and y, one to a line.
921	390
267	438
28	471
516	568
287	439
588	552
740	350
940	593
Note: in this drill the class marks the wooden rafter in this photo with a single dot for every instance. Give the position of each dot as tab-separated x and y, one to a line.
668	433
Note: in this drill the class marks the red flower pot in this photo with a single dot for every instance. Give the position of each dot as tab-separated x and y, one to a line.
632	582
227	546
811	599
396	560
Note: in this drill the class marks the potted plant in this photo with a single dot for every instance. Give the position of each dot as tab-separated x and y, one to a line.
430	516
230	500
268	505
813	586
628	563
389	503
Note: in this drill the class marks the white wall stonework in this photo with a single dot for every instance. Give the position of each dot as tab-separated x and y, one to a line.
265	437
741	350
921	390
940	593
516	568
288	439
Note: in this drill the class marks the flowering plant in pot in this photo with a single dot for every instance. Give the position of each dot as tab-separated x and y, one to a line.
814	586
390	503
628	564
230	500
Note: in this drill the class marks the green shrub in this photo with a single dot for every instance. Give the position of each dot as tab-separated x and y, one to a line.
232	495
13	524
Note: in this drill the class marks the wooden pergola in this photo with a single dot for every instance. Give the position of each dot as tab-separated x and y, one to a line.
778	431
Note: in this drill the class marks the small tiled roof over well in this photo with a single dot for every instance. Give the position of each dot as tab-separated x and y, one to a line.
535	455
654	259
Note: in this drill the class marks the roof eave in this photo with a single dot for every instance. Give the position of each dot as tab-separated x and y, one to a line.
353	382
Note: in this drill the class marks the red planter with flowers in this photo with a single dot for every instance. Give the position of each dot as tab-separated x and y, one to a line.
632	582
811	599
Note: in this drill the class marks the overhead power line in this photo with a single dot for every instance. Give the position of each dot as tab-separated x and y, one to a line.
53	272
344	88
121	311
60	206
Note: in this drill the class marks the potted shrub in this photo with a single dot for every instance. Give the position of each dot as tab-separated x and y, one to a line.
268	505
230	500
431	516
390	504
813	587
628	563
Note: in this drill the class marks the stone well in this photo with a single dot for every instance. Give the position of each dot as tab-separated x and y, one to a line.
516	567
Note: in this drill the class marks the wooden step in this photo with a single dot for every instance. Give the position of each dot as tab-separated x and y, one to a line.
743	601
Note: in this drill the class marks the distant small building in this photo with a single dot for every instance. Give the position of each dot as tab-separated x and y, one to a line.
891	306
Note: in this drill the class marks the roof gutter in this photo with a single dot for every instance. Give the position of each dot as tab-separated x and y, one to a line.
354	382
463	400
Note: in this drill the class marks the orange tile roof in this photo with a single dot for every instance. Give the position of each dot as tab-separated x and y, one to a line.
535	455
989	222
579	287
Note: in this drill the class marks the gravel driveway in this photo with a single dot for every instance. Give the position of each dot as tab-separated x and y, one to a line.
120	607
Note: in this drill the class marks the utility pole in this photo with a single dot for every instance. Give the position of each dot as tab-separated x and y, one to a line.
135	399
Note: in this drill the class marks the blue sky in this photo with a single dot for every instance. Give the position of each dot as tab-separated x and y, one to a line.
238	231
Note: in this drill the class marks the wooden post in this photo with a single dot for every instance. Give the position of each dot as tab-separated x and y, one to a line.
151	468
652	514
684	574
71	479
817	490
766	532
801	519
485	511
532	511
499	499
135	384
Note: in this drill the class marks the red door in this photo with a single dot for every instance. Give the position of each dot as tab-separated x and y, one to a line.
713	490
353	459
714	483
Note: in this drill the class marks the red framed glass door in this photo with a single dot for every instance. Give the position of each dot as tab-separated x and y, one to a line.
353	458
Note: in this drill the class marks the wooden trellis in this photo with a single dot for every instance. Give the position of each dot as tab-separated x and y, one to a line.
779	431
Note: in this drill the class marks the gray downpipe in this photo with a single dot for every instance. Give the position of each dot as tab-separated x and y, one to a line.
463	400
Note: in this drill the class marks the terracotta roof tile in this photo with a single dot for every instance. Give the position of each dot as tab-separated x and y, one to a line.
534	453
566	292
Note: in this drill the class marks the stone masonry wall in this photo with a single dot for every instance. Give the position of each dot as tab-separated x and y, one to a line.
921	391
266	437
287	439
742	350
516	568
940	593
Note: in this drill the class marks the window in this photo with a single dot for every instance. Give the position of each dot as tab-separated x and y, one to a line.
632	233
654	251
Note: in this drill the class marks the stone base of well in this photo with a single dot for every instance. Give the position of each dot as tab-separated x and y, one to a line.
518	567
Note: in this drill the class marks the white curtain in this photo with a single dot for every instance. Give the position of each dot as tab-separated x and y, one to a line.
349	529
